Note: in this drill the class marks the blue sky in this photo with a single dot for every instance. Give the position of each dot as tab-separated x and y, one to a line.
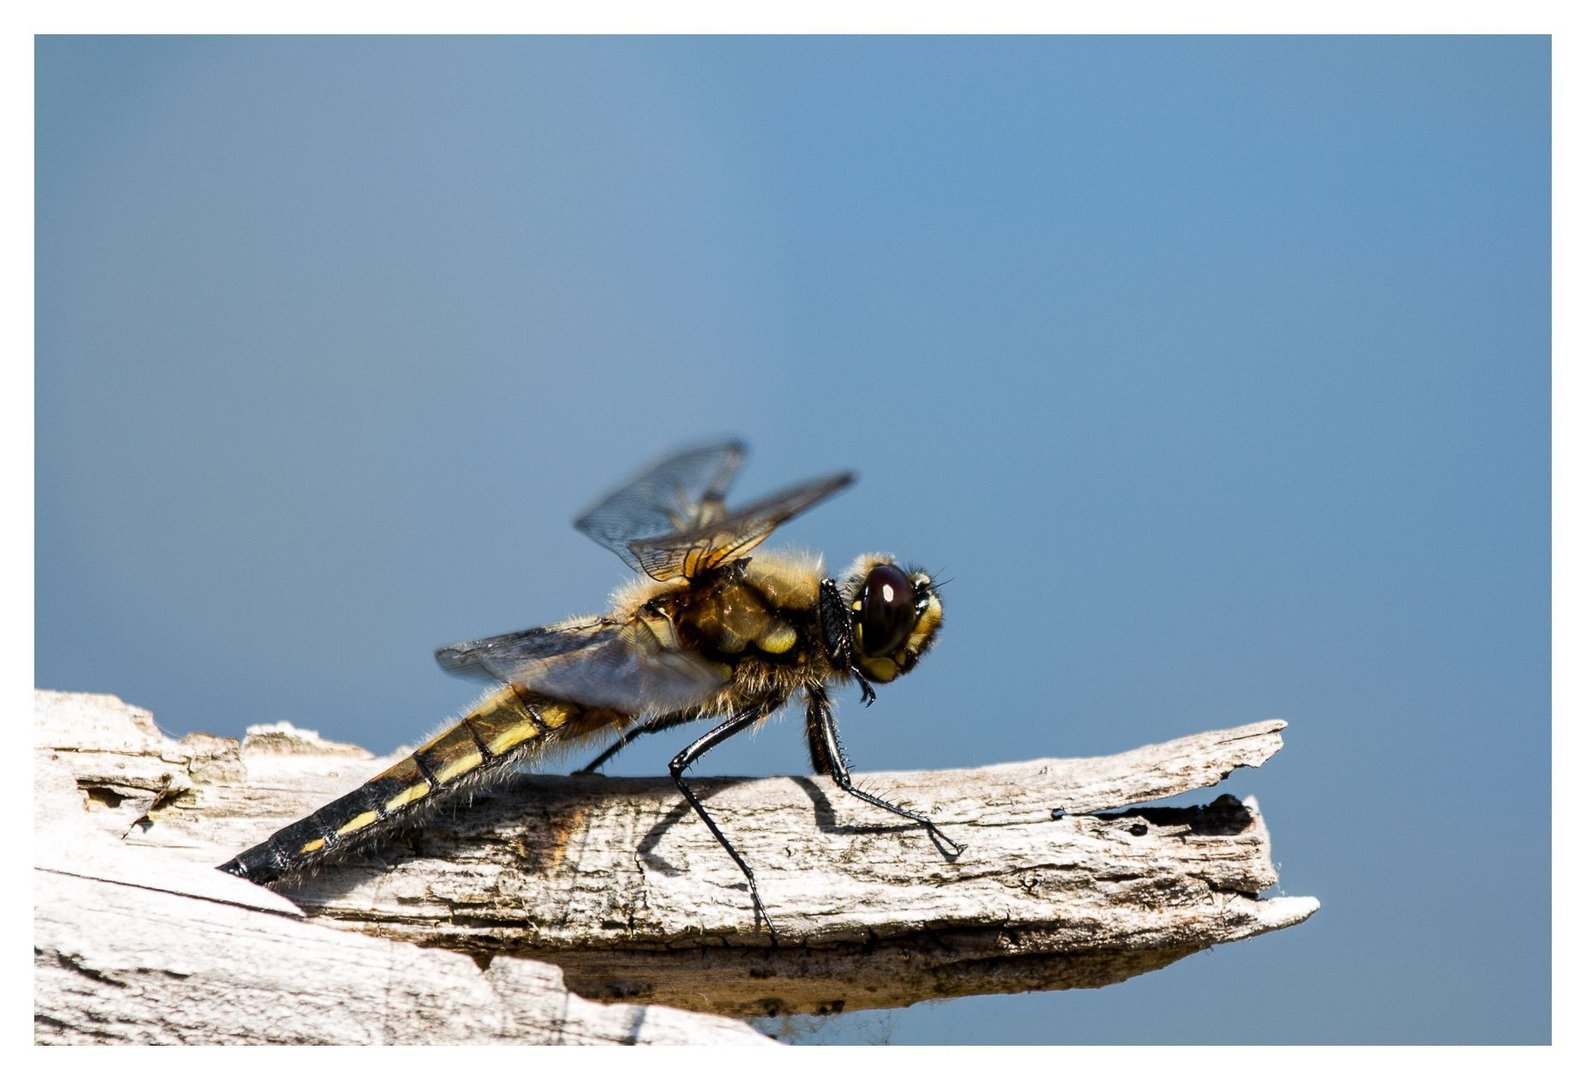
1214	372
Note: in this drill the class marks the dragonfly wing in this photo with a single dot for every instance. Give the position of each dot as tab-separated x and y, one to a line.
691	552
677	494
637	667
496	659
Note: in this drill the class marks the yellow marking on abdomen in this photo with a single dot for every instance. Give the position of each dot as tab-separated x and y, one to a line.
312	846
500	723
553	714
451	753
506	720
516	735
453	767
412	794
362	821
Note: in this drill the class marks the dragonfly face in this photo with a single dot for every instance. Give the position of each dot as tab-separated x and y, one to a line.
708	631
896	615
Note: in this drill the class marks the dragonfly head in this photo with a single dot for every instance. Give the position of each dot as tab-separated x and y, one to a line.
895	613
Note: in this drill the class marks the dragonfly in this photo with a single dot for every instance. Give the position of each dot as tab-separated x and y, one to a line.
704	632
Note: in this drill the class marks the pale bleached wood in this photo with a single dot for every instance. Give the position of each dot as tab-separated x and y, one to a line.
618	883
120	963
134	944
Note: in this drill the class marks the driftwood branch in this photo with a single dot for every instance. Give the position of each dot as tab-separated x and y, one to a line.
620	886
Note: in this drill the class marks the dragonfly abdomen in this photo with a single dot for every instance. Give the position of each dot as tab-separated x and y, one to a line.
504	728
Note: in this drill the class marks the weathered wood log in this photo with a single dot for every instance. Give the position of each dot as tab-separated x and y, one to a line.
137	939
131	962
619	884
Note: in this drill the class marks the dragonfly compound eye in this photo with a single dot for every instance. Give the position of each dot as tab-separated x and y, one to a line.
886	614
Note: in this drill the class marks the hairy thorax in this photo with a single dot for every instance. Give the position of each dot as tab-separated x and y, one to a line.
757	620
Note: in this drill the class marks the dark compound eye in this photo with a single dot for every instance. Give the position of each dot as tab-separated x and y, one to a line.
886	612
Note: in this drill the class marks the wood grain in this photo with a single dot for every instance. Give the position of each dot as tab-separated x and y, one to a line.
621	887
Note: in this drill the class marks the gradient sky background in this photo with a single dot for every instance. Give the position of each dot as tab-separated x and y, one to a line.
1214	372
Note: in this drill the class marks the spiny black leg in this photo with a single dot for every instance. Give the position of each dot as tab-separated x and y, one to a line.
692	753
815	734
610	752
660	723
821	722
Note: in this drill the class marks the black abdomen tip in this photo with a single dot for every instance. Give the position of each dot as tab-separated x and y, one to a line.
260	865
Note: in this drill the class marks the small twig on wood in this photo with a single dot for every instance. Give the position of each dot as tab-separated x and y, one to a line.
620	886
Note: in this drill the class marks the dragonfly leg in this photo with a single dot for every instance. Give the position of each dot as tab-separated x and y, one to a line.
692	753
660	723
826	752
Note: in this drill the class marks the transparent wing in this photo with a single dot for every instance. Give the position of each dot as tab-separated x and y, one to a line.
690	552
637	667
678	493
